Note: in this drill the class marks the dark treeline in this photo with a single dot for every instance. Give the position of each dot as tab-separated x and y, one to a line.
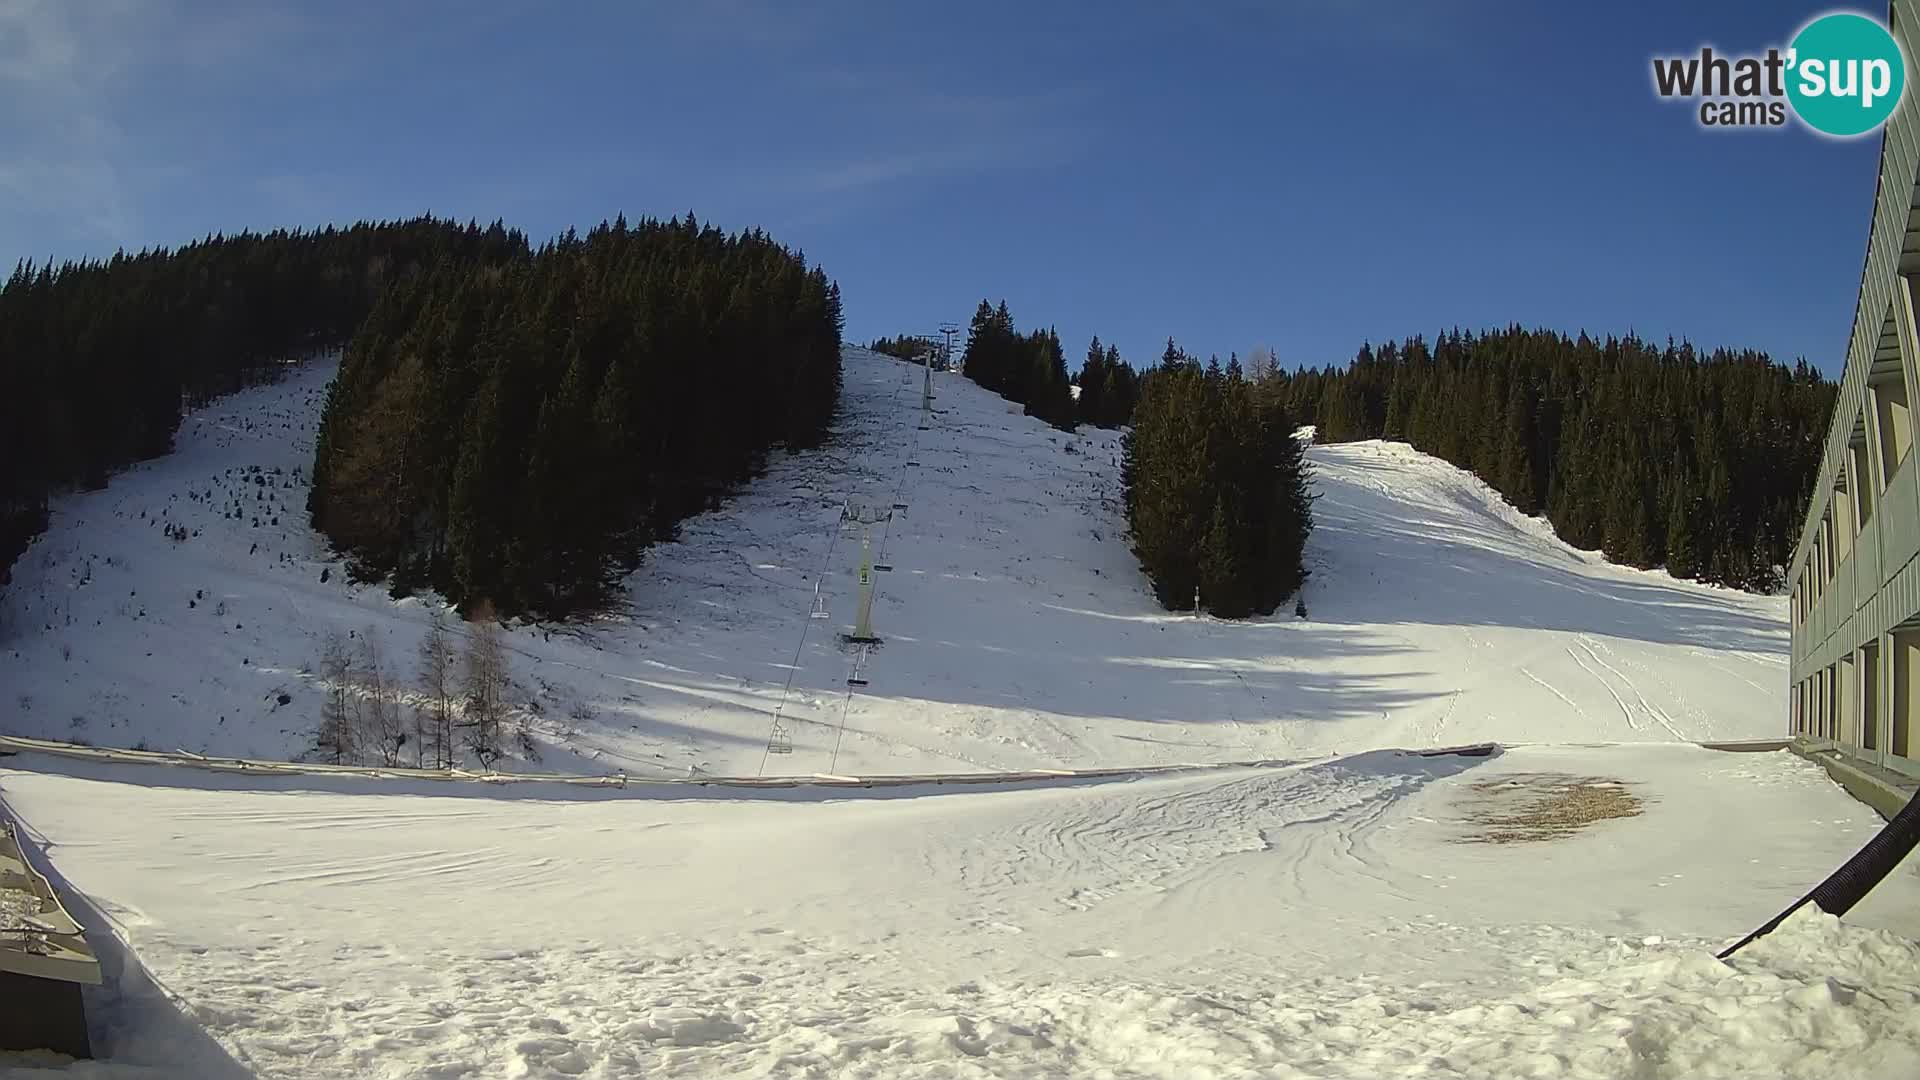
518	433
98	359
1700	462
1216	489
1109	387
905	347
1029	369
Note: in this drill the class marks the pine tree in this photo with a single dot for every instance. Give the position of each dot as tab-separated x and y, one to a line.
1216	492
476	520
1224	588
1091	407
1121	392
1048	396
1514	470
1681	557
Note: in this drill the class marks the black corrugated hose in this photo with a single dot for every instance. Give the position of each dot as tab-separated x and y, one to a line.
1846	886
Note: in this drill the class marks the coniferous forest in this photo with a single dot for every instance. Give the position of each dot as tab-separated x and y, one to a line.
1216	490
507	424
905	347
1109	387
1029	369
518	433
98	359
1658	456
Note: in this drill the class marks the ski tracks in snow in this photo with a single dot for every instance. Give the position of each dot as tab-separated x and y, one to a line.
1555	691
1588	656
1119	842
1599	660
1595	648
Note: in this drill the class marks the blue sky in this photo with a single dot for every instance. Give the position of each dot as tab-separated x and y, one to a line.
1304	174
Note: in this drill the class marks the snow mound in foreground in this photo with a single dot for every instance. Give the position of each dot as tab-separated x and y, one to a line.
1814	999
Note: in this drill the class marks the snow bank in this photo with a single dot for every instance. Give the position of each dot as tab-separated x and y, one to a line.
1817	999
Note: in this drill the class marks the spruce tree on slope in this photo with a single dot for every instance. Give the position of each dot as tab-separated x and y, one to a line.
1093	384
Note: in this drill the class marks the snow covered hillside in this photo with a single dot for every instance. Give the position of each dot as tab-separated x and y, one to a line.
1017	630
1548	910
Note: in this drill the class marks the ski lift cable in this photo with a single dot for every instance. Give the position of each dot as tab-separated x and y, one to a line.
786	691
854	680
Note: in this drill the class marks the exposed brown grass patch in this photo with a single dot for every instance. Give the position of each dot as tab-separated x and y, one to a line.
1522	807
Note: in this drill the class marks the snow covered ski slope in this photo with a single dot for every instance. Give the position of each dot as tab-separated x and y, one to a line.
1488	626
1376	916
1017	629
1550	910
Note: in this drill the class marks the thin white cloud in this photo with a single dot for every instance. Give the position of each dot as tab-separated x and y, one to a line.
900	166
67	68
908	135
1402	25
753	24
58	142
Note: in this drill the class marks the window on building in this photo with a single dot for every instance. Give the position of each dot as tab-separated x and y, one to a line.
1870	695
1861	480
1847	714
1887	378
1826	552
1827	702
1901	718
1814	574
1843	519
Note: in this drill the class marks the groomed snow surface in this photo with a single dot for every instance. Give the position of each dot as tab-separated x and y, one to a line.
1361	912
1328	919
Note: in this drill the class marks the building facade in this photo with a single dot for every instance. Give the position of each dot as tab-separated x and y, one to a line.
1855	580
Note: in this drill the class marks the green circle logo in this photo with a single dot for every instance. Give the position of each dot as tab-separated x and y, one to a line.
1845	74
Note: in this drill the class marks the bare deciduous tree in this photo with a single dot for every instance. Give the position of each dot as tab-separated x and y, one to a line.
380	707
523	733
335	739
433	719
1261	363
484	686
